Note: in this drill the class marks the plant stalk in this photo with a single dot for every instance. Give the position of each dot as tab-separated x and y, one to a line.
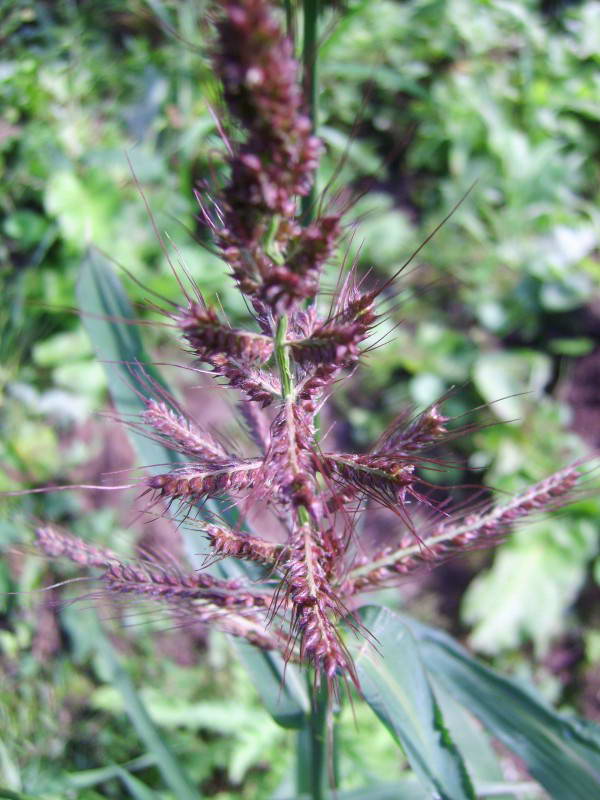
314	751
282	359
289	18
312	776
309	61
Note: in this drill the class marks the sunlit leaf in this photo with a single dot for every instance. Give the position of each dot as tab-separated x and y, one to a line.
561	752
394	683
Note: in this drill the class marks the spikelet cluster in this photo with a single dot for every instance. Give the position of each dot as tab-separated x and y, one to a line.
284	369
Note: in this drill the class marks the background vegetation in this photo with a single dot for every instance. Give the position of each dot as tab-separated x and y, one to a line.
418	99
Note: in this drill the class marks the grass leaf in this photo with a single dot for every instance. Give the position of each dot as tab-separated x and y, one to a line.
394	683
83	779
561	752
135	787
171	771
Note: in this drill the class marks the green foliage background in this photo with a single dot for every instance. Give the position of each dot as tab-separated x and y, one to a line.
418	100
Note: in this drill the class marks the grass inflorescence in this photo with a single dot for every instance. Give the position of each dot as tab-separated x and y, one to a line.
285	369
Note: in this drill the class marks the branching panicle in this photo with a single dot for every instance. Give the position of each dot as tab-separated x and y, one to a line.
289	362
152	581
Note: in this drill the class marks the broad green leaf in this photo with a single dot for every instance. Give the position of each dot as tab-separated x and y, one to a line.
172	773
106	315
561	752
287	702
472	740
394	683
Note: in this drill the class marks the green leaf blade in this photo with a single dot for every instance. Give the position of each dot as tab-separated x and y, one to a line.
173	774
395	685
560	752
135	787
109	320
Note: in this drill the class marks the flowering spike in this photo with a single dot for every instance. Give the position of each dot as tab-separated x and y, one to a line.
409	437
388	480
192	485
258	385
57	544
315	604
210	337
260	80
178	430
298	278
475	530
289	463
227	542
152	581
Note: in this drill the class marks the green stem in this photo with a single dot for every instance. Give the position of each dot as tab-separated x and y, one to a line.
309	60
309	56
282	358
312	779
289	18
312	744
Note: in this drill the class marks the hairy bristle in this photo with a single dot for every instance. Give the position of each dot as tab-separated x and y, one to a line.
257	424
